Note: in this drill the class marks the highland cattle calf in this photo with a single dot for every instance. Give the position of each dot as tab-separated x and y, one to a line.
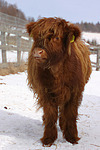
58	69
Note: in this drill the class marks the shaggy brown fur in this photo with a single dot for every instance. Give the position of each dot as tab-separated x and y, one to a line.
58	69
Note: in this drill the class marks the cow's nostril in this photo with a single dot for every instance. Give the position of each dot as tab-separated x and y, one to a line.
40	52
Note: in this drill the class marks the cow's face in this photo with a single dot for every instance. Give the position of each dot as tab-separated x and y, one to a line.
52	37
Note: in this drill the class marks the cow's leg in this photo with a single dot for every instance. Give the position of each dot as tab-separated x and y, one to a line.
49	120
68	120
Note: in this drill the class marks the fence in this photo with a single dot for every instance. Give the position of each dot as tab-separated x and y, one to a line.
96	51
13	37
11	21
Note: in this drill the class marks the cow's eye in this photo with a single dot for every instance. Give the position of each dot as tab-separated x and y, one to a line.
49	38
57	38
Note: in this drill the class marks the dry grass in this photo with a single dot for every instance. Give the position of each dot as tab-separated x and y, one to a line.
13	69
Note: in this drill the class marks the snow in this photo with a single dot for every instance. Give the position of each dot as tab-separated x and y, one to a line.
21	125
93	57
91	36
12	56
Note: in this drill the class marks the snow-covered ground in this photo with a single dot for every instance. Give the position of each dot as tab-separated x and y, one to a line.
91	36
21	125
12	56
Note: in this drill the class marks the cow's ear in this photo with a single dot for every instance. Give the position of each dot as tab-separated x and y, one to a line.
74	32
29	27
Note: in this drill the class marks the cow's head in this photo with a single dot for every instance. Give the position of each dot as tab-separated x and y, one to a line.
52	39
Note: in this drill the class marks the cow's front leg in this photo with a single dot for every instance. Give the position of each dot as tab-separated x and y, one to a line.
49	120
67	121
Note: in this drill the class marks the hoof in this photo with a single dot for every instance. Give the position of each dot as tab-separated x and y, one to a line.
73	140
47	141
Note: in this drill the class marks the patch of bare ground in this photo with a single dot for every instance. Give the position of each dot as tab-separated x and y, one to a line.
13	68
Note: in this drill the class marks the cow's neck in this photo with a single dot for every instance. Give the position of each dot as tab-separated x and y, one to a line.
57	70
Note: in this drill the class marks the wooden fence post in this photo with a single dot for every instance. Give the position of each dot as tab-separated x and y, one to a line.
18	49
98	57
30	42
3	43
7	38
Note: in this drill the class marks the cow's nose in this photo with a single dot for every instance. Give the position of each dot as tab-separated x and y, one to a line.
39	53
